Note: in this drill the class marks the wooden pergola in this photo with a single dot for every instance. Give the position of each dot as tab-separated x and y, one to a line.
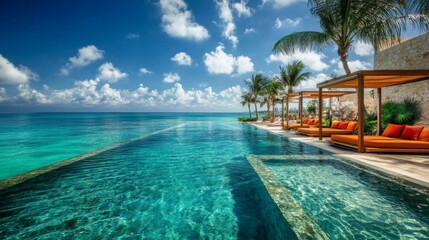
376	79
307	94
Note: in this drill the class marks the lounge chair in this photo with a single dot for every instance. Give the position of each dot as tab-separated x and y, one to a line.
306	124
337	128
275	121
395	138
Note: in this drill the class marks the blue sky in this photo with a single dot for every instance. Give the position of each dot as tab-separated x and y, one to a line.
168	55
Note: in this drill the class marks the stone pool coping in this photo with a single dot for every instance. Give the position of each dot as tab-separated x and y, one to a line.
409	167
301	223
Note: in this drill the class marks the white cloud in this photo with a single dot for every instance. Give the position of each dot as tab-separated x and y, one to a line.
242	8
249	30
219	62
354	66
109	73
28	94
281	3
133	36
182	58
171	77
311	59
85	56
90	93
177	21
225	14
287	22
244	65
363	49
9	74
312	81
144	71
3	95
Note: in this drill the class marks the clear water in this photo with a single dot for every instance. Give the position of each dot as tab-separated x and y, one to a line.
351	204
190	182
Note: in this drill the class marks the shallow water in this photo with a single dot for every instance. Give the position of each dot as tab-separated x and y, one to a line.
348	203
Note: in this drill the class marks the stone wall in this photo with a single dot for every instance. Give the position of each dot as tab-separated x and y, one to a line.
411	54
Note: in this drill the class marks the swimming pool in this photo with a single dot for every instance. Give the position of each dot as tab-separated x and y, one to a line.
159	176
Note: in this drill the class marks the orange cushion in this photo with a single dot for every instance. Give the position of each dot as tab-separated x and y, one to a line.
316	121
343	125
310	121
335	124
387	130
352	126
396	131
424	135
411	132
306	121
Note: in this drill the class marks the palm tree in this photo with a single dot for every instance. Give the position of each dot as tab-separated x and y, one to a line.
292	76
256	86
273	88
247	99
344	21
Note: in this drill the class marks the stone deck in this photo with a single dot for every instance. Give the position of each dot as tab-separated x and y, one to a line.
411	167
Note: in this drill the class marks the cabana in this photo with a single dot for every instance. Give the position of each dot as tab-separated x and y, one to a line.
376	79
307	94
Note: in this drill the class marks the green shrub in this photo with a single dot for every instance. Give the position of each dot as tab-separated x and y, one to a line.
246	119
407	112
266	117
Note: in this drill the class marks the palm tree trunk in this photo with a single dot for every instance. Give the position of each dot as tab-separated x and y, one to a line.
273	100
343	57
256	107
250	112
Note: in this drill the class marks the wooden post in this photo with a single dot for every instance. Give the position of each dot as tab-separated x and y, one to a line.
287	112
361	108
330	112
379	111
283	111
320	113
300	107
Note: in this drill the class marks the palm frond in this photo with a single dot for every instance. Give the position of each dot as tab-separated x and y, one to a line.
301	40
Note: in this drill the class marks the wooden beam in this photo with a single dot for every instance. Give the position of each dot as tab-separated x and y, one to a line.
361	110
379	111
320	112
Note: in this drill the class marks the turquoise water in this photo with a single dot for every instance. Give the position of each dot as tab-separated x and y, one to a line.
190	182
348	203
180	176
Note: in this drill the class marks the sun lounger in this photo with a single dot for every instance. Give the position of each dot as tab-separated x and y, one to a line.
401	144
307	124
342	128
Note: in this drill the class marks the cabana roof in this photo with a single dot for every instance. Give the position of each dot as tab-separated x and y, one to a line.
376	78
315	94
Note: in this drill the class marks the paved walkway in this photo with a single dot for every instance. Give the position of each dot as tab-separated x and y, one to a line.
414	168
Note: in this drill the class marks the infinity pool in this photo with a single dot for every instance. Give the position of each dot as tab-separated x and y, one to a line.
179	176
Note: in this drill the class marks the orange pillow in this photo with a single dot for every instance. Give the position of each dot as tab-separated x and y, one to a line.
396	131
411	132
310	121
306	121
424	135
352	126
316	121
387	130
343	125
335	124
